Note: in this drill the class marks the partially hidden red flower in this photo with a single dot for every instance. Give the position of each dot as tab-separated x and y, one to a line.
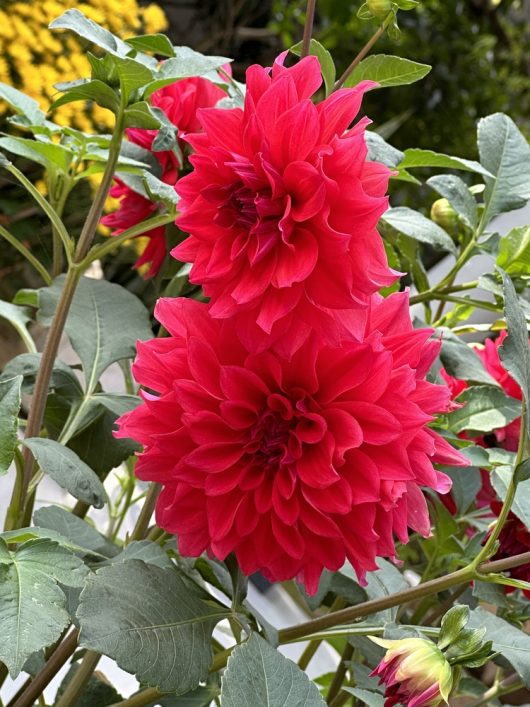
513	540
282	208
294	465
415	673
180	102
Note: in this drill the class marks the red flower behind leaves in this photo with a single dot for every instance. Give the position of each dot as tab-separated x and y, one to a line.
293	465
180	102
282	208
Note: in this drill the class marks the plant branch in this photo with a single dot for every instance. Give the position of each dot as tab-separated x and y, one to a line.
510	684
308	27
433	586
364	51
39	267
79	680
340	673
142	524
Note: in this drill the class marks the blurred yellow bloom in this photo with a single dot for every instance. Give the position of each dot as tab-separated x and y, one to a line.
33	58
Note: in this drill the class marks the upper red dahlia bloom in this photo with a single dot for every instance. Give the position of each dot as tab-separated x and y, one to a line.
180	102
282	208
293	465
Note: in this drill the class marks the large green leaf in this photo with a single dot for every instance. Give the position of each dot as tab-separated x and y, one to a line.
87	90
515	351
75	529
22	104
65	468
150	622
383	582
257	674
505	153
461	361
485	408
327	67
9	409
387	71
379	150
500	479
18	317
514	252
32	605
103	325
456	191
416	226
415	157
63	382
512	643
156	43
47	154
184	64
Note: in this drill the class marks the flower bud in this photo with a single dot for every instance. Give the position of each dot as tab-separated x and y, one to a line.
445	216
379	8
414	671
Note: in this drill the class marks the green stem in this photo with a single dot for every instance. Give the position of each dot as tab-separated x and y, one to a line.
364	51
308	27
45	206
490	544
479	304
140	699
510	684
434	291
142	524
79	680
113	242
13	510
433	586
39	267
340	673
58	202
314	643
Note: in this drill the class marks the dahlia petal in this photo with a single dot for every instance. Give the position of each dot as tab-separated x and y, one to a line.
378	425
223	127
215	457
315	468
297	260
305	74
306	188
241	385
288	537
339	109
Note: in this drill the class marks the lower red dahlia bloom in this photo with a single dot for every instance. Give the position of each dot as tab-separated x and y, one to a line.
180	102
293	465
282	208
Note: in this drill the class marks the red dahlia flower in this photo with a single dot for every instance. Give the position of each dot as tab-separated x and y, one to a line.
293	465
180	102
282	208
513	540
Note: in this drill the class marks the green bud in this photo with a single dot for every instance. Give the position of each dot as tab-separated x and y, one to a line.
379	8
445	216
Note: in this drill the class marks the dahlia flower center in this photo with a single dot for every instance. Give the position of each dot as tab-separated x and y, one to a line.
282	428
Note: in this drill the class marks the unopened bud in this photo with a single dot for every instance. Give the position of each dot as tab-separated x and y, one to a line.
445	216
379	8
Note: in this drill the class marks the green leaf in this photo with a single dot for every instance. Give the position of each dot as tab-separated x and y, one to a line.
9	409
407	4
486	408
327	67
466	484
185	64
149	621
201	697
414	157
155	43
22	104
47	154
380	151
505	153
367	697
87	90
140	115
383	582
65	468
510	642
514	252
145	550
158	190
32	605
500	480
103	325
452	624
515	351
75	529
63	382
461	361
416	226
363	13
90	31
18	317
258	674
132	76
456	192
387	71
22	535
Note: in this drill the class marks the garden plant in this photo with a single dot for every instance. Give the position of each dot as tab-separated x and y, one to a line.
284	417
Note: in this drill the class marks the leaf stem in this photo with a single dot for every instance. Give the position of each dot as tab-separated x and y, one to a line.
39	267
308	27
79	680
142	524
510	684
314	643
340	673
433	292
364	51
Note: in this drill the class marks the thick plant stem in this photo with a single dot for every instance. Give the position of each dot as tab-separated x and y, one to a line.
140	699
142	524
79	680
50	670
36	413
433	586
314	644
364	51
510	684
340	673
308	27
